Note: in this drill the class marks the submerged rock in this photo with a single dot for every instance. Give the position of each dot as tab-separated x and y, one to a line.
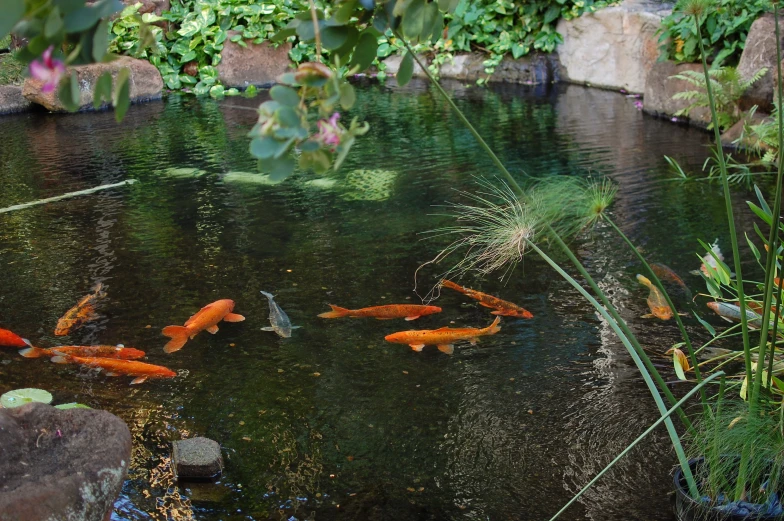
197	458
369	185
145	83
61	464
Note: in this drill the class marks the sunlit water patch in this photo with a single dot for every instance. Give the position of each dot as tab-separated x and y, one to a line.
334	422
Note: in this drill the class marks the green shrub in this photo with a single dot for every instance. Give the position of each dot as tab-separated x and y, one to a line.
724	31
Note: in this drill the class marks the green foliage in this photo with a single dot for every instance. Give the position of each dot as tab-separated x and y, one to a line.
723	29
501	27
728	87
12	69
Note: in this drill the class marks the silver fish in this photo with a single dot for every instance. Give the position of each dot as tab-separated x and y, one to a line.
278	318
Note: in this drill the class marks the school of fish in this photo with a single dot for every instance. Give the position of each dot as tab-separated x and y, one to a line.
115	360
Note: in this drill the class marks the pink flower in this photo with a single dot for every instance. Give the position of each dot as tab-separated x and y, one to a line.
47	70
638	104
329	132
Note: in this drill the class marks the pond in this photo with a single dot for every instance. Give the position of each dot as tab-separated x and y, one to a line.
334	422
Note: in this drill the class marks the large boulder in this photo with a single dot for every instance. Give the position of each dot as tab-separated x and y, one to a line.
67	465
11	100
255	64
759	52
614	47
660	87
145	83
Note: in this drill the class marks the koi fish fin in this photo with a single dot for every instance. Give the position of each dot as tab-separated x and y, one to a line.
651	315
33	352
233	317
473	341
61	359
494	327
413	317
178	335
336	312
212	330
110	373
296	327
483	304
417	347
446	348
138	380
268	328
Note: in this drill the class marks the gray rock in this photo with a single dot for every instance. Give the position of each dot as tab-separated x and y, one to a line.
197	458
736	137
256	64
11	100
66	465
660	87
759	52
614	47
393	65
145	82
533	69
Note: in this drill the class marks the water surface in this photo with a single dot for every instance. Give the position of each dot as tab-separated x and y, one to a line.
335	423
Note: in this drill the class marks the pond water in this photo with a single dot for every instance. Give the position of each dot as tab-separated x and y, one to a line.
335	423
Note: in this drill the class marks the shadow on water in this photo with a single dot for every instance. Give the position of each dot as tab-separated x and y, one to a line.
334	423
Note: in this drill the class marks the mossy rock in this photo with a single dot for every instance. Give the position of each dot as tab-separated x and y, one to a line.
369	185
248	178
183	172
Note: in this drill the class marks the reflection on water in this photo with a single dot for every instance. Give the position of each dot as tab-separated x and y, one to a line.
334	423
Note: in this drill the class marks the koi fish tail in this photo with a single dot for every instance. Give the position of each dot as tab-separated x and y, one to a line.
178	334
33	352
336	312
451	285
494	327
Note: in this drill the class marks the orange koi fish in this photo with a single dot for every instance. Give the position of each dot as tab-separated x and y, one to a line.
666	273
11	339
656	302
502	307
82	312
443	338
118	351
114	367
407	311
205	320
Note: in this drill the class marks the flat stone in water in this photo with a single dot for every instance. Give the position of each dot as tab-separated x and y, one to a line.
197	459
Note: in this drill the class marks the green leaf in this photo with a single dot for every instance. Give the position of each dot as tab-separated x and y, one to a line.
54	23
81	19
707	326
13	11
345	146
333	37
284	95
429	17
101	40
69	93
676	361
365	52
406	70
103	90
552	13
264	147
281	168
217	91
72	405
347	96
344	12
413	18
122	94
19	397
288	117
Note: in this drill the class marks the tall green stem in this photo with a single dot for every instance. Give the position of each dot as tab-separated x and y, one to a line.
674	438
684	334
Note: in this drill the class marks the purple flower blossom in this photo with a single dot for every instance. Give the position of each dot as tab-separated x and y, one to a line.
48	70
638	104
329	131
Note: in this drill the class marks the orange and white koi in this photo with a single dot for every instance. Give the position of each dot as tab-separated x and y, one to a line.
502	307
656	301
100	351
81	313
444	337
115	367
11	339
206	319
407	311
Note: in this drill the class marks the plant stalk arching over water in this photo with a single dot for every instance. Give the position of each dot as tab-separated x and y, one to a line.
646	368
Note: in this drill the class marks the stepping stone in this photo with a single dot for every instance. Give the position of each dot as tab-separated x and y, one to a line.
197	459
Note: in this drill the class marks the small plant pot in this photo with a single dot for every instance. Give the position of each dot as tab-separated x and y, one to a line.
687	509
